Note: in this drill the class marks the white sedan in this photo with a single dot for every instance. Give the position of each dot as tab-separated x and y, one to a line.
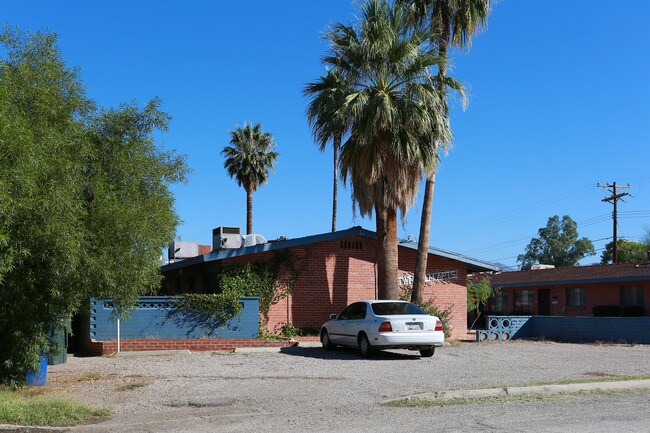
376	325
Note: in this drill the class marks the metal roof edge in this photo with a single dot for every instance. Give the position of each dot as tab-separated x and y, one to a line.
454	256
581	281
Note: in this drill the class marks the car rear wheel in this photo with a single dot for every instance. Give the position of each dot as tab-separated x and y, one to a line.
325	340
364	346
427	353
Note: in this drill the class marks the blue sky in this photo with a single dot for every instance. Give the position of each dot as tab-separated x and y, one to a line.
559	102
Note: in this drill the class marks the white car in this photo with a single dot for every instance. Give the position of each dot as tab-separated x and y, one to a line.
376	325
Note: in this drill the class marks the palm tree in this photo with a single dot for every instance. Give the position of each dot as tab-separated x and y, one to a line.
327	121
248	161
457	21
392	106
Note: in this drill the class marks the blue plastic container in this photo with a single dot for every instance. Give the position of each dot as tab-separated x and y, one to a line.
38	378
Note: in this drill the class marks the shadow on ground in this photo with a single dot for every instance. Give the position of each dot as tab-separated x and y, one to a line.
345	353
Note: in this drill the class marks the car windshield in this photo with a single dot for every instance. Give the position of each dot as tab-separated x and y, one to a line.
396	309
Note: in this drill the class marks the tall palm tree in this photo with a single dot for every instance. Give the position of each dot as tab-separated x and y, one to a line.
327	95
248	161
393	107
457	21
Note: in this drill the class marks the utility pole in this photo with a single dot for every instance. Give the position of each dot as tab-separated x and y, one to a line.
613	199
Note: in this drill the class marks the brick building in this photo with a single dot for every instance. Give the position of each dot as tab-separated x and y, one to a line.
333	270
573	290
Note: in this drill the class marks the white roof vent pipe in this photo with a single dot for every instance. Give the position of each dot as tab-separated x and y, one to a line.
254	239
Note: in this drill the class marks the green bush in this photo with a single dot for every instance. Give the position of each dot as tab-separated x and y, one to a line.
444	315
606	311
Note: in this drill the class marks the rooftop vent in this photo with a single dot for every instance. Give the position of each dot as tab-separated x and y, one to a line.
226	238
250	240
541	266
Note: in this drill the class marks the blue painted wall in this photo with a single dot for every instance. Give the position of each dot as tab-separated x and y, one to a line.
571	328
157	317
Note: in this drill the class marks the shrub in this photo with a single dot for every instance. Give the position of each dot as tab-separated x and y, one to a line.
633	311
606	311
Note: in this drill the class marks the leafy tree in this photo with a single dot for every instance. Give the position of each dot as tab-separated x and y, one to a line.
457	21
248	160
478	293
628	251
85	203
557	244
327	95
393	106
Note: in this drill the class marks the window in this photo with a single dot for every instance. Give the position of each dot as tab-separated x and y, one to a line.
631	295
396	309
499	302
523	300
575	297
356	311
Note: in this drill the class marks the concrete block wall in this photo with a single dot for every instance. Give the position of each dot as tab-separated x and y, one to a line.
631	330
156	317
590	329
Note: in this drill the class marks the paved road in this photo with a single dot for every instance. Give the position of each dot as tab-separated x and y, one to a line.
313	390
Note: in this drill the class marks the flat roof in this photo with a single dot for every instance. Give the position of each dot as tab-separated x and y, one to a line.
474	265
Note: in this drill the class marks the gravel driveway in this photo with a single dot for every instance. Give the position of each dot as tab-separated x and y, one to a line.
309	389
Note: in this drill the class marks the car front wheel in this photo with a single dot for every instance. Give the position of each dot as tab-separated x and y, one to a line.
427	353
364	346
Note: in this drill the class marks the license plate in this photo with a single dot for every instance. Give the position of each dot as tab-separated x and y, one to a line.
413	326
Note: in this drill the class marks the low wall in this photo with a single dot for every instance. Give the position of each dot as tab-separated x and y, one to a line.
99	348
589	329
580	329
156	317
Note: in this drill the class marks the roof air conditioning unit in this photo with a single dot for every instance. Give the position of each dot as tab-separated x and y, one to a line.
226	238
183	250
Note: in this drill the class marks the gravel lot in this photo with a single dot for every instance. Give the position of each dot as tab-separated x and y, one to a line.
309	389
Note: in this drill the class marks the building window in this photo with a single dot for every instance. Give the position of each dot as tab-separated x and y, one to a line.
631	295
575	297
524	300
499	302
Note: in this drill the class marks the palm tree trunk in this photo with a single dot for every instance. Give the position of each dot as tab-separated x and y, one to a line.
335	190
392	263
380	248
249	211
419	277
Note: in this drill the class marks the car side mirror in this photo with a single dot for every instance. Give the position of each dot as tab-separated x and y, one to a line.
333	316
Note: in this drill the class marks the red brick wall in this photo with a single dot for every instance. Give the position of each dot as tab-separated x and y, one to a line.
595	294
99	348
333	274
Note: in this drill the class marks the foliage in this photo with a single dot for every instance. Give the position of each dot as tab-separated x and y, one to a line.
627	252
619	311
392	107
557	244
248	160
85	206
456	22
16	408
327	122
444	314
270	281
478	293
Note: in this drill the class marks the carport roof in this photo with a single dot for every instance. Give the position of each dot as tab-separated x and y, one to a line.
473	265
